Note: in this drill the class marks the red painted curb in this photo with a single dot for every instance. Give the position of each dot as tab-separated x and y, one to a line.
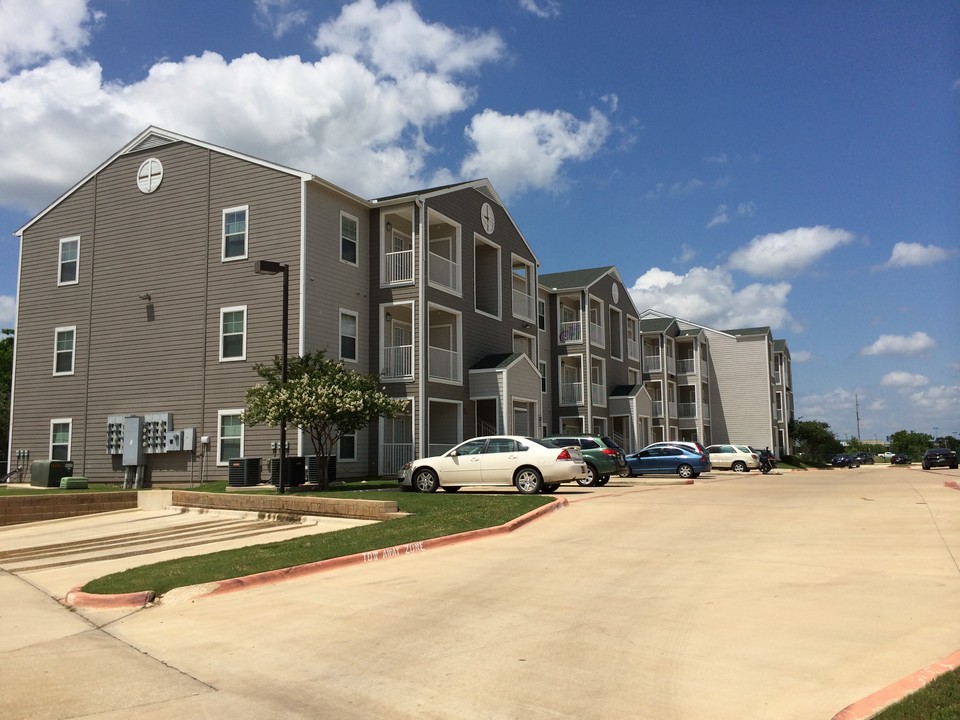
951	484
872	704
78	598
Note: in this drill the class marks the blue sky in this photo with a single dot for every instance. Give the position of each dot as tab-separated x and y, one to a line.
791	164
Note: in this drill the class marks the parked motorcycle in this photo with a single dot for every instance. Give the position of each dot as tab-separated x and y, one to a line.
767	463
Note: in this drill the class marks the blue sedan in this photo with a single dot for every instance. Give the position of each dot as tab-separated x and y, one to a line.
669	459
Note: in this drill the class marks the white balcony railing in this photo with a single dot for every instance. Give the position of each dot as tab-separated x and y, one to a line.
652	363
398	267
395	456
633	349
596	334
397	362
445	364
524	306
571	393
657	408
444	272
686	366
598	394
704	369
571	332
687	410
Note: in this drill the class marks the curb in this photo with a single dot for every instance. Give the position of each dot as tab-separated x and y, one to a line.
77	598
869	706
951	484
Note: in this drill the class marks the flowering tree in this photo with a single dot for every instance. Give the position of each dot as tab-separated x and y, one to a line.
322	398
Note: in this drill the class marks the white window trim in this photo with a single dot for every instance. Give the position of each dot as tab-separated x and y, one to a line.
455	242
220	415
601	341
356	337
223	311
480	240
61	421
356	449
73	350
61	283
613	310
356	240
246	233
456	336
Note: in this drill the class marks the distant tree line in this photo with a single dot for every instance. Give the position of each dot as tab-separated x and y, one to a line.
815	442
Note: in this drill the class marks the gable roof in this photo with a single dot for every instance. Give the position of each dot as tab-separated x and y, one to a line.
577	279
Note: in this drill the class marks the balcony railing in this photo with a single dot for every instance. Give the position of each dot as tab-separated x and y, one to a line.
445	364
524	306
598	394
658	408
571	393
397	362
687	410
686	366
652	363
395	456
398	267
571	332
444	272
596	334
704	369
633	349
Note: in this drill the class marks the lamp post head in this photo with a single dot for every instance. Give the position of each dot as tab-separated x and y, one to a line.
267	267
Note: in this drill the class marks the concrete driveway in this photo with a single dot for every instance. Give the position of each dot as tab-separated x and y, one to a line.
742	596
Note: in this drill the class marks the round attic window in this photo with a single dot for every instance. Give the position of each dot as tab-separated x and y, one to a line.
150	175
615	292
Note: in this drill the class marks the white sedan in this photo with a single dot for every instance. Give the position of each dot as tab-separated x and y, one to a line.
739	458
530	465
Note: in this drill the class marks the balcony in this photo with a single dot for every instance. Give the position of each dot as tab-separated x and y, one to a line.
598	394
687	366
687	410
657	408
633	349
398	267
397	362
445	364
524	306
395	456
571	332
652	363
571	393
444	272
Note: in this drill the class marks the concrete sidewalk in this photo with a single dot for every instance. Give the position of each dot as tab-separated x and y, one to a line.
780	598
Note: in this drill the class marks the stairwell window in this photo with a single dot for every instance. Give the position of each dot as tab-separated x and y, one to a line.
233	333
230	440
69	261
60	438
348	336
348	238
235	227
63	353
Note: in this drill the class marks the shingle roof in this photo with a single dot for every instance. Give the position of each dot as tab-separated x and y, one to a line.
574	279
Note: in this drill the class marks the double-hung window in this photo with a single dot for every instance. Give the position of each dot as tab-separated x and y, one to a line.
347	447
233	333
235	226
230	440
348	335
348	238
60	438
64	350
69	261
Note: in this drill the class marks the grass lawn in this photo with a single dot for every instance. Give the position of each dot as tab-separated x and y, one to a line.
939	700
432	515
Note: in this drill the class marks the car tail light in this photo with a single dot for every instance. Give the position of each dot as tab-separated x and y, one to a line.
610	451
564	455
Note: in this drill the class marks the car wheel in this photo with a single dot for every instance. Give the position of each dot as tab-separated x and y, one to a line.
425	480
591	479
685	471
528	480
953	467
604	479
739	466
451	488
551	488
925	466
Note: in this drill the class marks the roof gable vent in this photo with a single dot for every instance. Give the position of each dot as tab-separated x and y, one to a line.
149	142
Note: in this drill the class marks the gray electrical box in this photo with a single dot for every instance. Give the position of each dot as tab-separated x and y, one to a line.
155	427
174	440
189	439
114	434
132	446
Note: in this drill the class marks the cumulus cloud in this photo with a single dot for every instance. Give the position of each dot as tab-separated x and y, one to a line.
346	116
710	297
940	401
279	16
904	380
788	253
544	8
829	404
907	254
8	311
518	152
900	344
801	356
32	31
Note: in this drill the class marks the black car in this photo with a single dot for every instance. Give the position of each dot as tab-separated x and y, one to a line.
845	460
899	459
864	458
939	457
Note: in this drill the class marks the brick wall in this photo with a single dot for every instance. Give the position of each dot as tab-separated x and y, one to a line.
31	508
288	504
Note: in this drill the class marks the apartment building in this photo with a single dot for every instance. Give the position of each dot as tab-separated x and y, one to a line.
141	319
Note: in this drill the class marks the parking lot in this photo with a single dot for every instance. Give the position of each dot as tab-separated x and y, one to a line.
740	596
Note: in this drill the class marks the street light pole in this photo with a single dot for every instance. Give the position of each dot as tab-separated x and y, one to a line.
268	267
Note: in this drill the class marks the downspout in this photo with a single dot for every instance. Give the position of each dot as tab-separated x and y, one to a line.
421	374
588	361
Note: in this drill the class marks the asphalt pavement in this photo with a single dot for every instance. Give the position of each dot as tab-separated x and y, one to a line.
740	596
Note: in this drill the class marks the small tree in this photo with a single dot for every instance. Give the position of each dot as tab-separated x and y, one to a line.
910	443
322	398
815	440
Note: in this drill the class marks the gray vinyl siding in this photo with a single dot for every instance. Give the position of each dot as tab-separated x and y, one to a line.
740	402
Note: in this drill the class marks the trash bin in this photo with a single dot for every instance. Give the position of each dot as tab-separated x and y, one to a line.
49	473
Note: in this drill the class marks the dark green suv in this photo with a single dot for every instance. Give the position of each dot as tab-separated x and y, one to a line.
602	455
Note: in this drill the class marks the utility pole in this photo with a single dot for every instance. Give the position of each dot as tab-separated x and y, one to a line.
856	399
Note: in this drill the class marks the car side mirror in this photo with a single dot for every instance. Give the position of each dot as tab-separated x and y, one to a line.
453	453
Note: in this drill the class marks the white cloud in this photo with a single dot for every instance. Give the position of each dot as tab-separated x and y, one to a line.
710	298
518	152
8	311
900	345
32	31
687	254
801	356
279	16
827	405
720	217
904	380
788	253
747	209
938	402
719	159
544	9
906	254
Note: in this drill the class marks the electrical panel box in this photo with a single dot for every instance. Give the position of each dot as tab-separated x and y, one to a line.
132	446
114	434
155	427
189	439
174	440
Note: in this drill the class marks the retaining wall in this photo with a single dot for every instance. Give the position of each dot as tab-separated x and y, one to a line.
18	509
287	504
